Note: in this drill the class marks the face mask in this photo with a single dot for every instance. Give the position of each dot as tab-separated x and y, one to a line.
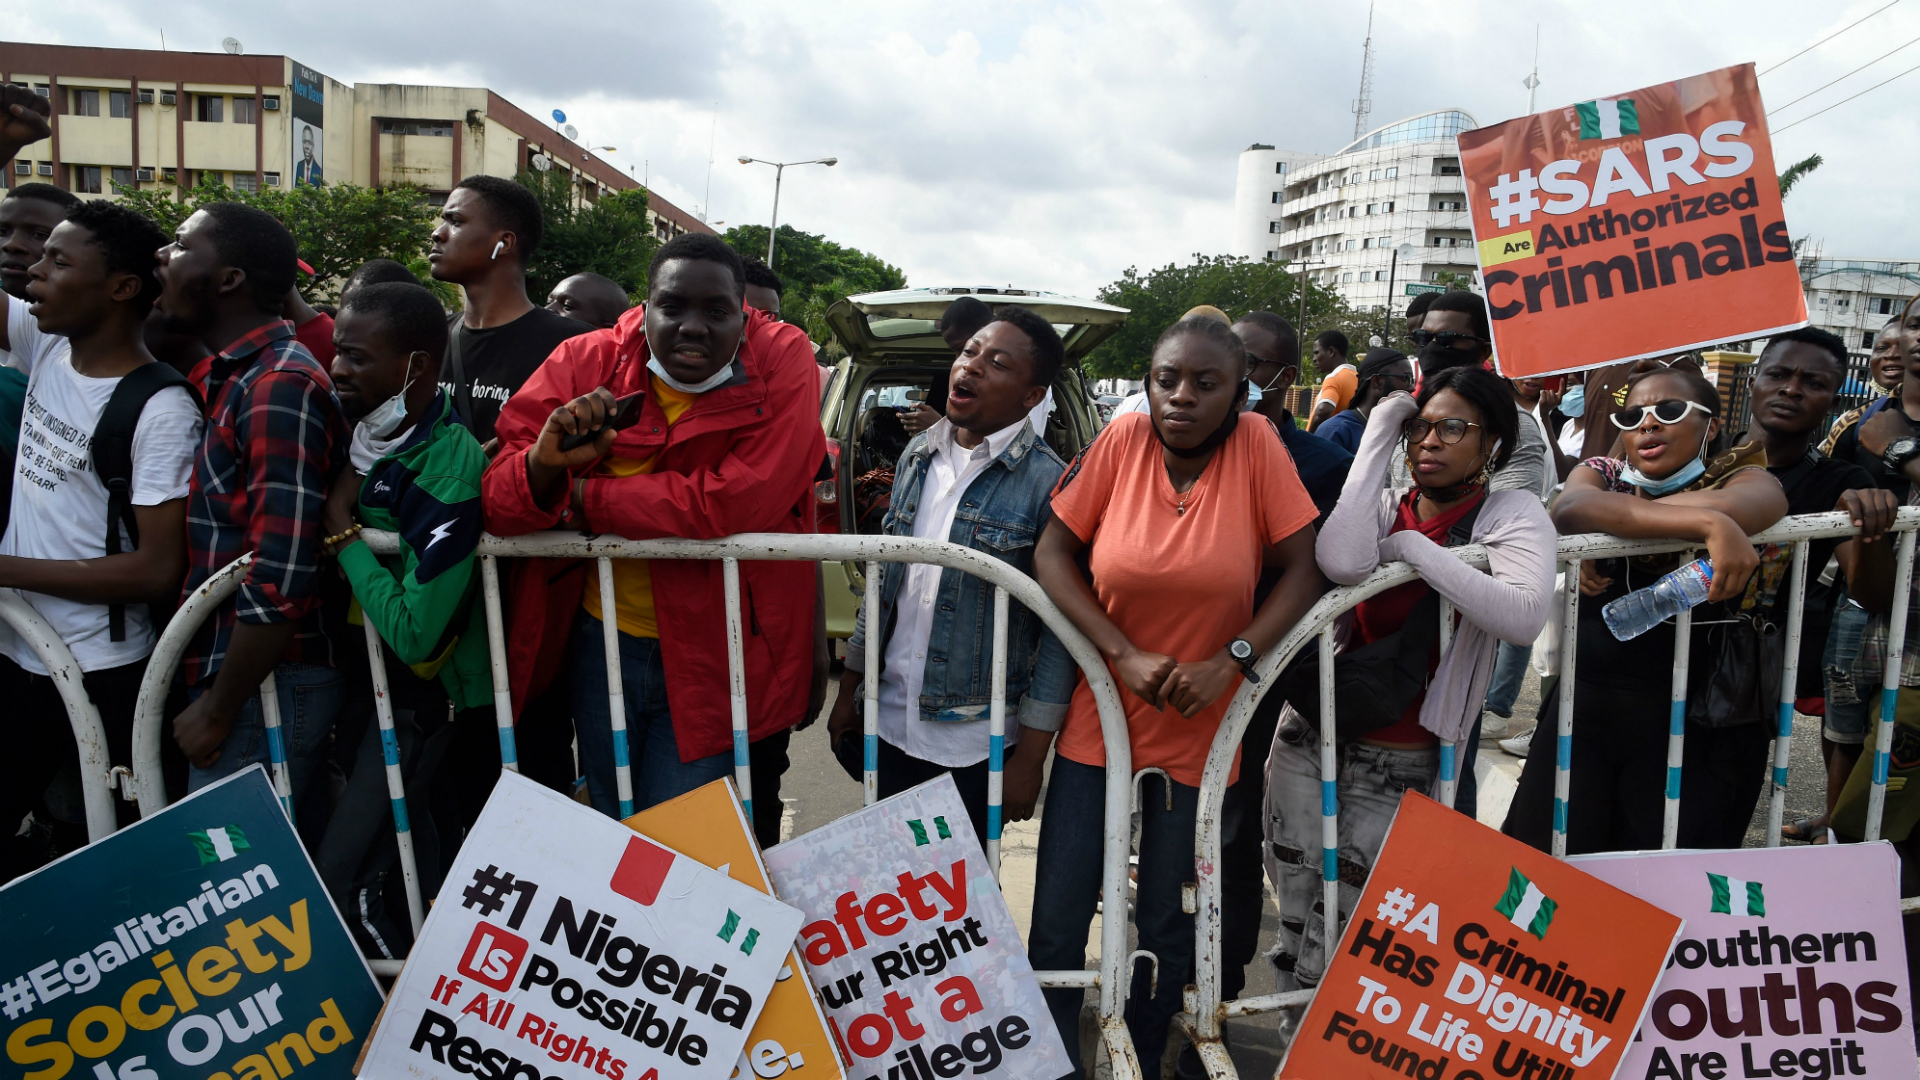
1575	403
717	378
385	419
1435	358
1253	395
1688	473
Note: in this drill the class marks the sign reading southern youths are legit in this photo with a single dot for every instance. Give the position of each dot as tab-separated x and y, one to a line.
1471	956
1773	977
1637	225
565	946
789	1039
197	944
911	946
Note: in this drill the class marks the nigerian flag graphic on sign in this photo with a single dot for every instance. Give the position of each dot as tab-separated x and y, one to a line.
1608	118
1525	906
218	844
1732	896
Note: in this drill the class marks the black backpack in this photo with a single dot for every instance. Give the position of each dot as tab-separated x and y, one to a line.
113	459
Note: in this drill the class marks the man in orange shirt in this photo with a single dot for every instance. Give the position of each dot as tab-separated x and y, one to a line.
1342	379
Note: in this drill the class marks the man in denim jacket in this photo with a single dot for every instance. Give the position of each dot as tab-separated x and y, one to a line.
979	478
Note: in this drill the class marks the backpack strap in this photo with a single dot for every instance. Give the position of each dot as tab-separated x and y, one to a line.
113	459
462	389
1462	531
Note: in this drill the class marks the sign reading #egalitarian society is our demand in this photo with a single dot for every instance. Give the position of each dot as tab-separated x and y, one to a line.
1634	225
567	945
1472	956
196	944
1793	963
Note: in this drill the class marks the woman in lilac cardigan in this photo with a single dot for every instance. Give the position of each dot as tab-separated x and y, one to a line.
1462	428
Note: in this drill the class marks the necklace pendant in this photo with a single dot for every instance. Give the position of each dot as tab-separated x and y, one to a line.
1180	511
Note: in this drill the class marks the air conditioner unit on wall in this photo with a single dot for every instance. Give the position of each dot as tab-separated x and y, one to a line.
146	97
166	97
273	179
271	102
143	174
167	176
46	168
23	167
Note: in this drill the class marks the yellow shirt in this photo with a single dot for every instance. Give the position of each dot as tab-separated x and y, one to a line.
633	578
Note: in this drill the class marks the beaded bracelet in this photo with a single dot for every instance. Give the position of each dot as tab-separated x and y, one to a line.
330	542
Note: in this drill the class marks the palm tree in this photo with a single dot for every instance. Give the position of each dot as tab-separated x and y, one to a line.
1798	171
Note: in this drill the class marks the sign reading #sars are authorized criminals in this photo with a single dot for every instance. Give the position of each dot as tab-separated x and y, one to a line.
1636	225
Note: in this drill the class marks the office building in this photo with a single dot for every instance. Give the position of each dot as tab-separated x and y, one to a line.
148	119
1378	220
1854	298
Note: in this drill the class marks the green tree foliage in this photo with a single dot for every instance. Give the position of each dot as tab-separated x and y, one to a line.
815	272
336	227
608	236
1798	171
1234	285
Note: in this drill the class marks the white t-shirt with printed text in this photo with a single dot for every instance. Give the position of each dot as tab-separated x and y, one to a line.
59	508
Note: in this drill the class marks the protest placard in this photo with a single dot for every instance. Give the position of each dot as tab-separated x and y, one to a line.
911	946
564	946
1471	955
1793	962
790	1037
197	943
1635	225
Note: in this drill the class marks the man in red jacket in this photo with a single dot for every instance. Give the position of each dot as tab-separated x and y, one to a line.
724	439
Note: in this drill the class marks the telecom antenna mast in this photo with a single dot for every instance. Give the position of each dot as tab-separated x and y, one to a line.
1532	81
1363	105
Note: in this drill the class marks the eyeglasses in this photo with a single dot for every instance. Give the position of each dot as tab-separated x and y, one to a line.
1451	430
1447	339
1670	411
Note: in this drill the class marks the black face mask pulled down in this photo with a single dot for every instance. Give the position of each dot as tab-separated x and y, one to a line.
1211	442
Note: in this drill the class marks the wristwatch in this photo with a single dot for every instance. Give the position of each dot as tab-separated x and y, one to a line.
1242	651
1899	452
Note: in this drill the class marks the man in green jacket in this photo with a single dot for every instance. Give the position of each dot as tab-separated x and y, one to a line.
414	470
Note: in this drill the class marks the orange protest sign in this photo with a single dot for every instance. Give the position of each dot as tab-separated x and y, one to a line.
1471	956
1637	225
789	1038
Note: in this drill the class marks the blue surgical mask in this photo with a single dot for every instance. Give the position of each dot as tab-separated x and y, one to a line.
1688	473
717	378
385	419
1575	402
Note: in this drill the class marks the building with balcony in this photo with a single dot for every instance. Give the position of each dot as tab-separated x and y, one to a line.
1377	220
148	120
1854	298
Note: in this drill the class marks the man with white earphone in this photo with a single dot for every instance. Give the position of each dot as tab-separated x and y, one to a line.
488	230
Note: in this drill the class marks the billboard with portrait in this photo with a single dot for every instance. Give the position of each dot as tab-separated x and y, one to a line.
309	92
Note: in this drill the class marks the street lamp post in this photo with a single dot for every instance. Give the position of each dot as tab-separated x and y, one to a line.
779	168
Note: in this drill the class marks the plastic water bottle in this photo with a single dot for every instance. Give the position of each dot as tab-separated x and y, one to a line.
1643	609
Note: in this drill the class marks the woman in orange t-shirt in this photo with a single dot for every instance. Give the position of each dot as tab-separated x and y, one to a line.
1177	510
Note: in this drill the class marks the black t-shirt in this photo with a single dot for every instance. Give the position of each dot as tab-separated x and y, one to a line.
1847	448
499	359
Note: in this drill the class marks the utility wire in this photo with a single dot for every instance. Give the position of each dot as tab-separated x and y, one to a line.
1828	38
1844	100
1842	78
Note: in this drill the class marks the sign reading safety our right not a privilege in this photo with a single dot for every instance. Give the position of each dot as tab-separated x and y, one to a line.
1472	956
1793	963
1634	225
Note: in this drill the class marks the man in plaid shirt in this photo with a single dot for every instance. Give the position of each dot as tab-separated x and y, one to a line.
274	437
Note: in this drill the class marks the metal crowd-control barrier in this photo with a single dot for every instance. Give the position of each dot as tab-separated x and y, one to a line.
96	770
1204	1013
1113	976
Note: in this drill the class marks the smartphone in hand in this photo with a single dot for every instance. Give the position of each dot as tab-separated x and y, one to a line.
626	413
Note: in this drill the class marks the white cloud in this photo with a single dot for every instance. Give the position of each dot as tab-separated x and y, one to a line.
1053	146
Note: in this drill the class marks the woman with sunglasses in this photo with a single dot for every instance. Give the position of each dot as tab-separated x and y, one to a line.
1175	513
1671	484
1459	431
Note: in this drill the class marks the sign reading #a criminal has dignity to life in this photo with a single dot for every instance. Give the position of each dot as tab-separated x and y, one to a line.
1636	225
1472	956
197	944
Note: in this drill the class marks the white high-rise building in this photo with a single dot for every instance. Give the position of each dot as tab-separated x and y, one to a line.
1391	204
1854	298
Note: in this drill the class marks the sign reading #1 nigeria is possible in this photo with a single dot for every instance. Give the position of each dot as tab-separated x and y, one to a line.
1472	956
564	946
911	946
1629	226
1793	963
197	944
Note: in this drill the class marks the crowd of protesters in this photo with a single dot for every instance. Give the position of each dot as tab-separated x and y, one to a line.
174	403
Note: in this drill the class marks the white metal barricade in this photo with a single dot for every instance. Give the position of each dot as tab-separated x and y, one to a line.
1113	976
96	770
1204	1011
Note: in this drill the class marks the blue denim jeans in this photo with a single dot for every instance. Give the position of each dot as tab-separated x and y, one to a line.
310	697
1509	671
1846	719
658	772
1067	885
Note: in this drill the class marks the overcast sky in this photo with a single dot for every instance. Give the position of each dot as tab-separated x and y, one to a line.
1052	146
